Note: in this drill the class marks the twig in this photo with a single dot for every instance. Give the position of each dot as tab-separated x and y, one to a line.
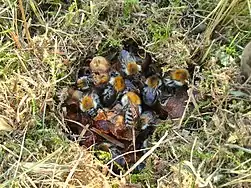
134	143
190	97
249	7
83	132
246	82
126	153
20	154
80	124
59	80
180	136
16	40
191	155
107	137
22	62
233	146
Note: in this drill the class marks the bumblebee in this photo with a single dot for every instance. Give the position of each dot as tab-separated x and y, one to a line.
129	86
147	119
85	79
90	104
129	63
113	90
151	91
178	78
84	83
132	106
118	82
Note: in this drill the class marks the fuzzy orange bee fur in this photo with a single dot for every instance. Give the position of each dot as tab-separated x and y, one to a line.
132	68
153	81
181	75
119	84
87	102
134	98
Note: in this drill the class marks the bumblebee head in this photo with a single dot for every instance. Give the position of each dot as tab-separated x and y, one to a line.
132	68
153	81
181	75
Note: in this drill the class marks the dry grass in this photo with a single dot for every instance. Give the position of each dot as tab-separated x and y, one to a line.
42	44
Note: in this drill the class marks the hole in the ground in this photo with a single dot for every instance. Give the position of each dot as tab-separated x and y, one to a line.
115	106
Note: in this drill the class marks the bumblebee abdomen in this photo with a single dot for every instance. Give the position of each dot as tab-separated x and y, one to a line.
131	116
129	120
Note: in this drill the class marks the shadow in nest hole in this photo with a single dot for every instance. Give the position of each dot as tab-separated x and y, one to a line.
140	96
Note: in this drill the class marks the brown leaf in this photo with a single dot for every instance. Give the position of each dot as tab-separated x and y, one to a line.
118	127
88	139
101	116
103	125
175	105
123	133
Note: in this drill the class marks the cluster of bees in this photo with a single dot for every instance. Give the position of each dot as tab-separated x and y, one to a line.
123	99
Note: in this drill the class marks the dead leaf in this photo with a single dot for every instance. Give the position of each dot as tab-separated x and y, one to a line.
101	116
4	126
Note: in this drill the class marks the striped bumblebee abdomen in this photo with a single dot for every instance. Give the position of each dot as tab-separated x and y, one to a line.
130	117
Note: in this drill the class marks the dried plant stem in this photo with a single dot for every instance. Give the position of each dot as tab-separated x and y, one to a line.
27	32
134	144
147	154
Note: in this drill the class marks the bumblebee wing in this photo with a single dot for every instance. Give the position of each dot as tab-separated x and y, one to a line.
130	86
150	96
125	57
